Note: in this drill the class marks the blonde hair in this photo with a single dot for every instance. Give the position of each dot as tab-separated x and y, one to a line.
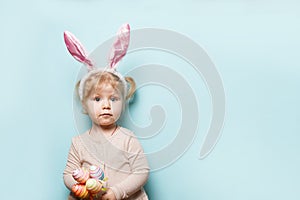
95	82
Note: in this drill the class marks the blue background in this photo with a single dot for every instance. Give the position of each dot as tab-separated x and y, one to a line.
254	44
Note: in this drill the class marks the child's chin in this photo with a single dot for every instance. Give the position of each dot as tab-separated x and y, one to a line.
106	124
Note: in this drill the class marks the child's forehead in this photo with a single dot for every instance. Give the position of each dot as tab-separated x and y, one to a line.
105	88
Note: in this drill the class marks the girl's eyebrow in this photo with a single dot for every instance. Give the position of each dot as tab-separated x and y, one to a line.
111	94
115	94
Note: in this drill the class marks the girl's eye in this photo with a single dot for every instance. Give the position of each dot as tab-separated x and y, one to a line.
114	99
97	99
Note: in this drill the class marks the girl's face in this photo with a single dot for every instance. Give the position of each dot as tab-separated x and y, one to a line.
105	106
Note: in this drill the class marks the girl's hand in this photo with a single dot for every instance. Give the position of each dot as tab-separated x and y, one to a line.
109	195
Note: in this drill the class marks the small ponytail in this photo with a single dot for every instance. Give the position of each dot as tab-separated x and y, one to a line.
132	87
76	88
77	94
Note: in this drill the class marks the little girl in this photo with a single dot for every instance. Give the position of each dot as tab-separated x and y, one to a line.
103	94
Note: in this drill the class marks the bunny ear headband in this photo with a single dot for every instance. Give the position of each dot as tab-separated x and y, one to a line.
117	52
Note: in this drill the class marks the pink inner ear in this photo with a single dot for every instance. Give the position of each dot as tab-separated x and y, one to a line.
76	49
120	46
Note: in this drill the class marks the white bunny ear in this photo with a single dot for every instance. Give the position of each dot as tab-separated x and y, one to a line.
120	46
77	50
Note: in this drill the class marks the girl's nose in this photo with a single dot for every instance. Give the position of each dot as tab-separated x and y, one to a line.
106	104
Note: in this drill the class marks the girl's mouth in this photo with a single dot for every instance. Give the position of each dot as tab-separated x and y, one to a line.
105	115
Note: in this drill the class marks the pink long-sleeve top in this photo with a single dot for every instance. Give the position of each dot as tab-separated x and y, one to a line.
120	156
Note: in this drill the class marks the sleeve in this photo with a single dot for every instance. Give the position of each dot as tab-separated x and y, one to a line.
73	162
140	171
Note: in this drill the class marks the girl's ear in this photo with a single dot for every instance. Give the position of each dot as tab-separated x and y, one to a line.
120	46
76	49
